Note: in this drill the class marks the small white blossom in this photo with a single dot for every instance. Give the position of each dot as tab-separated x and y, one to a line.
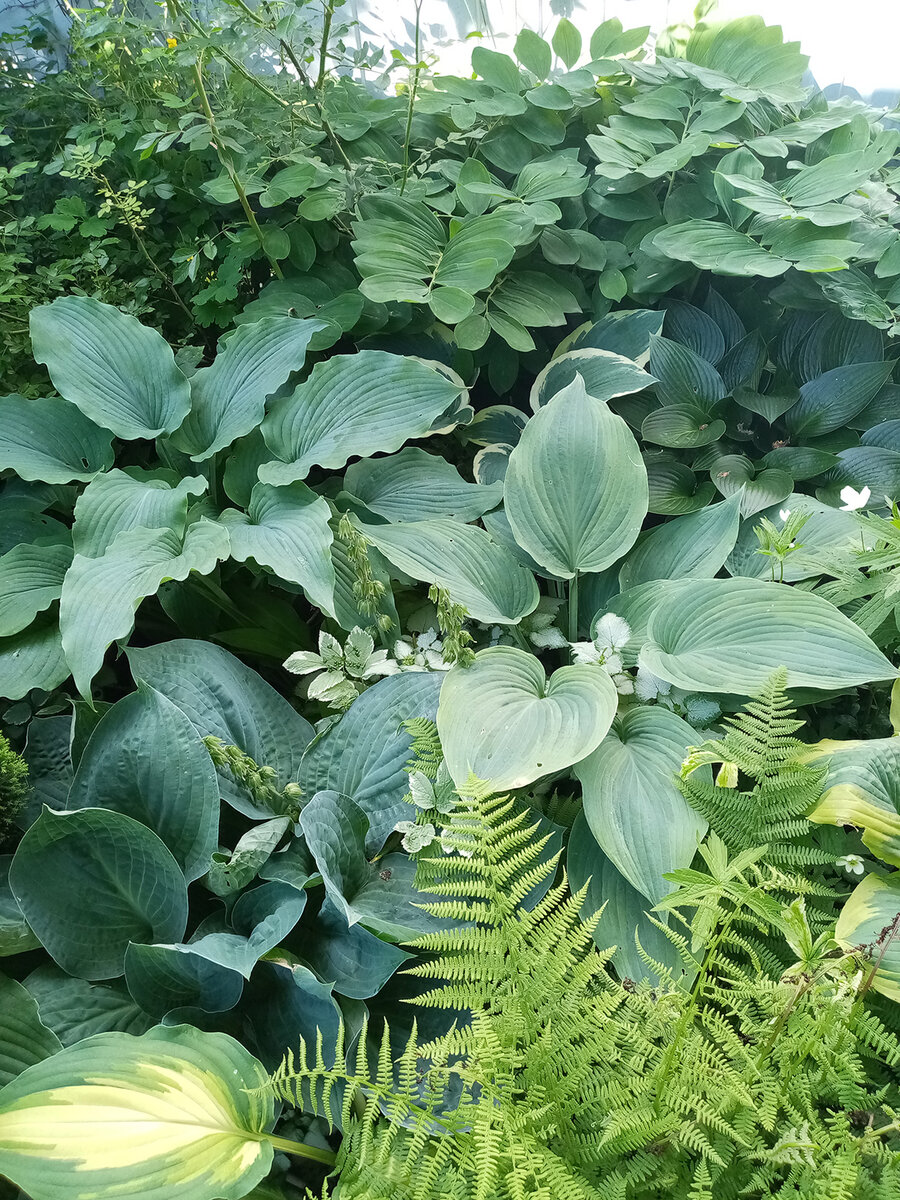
854	499
851	863
784	513
403	649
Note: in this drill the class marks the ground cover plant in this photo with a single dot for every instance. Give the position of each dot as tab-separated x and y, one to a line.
447	618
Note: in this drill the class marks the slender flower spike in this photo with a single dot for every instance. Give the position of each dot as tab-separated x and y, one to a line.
851	863
853	499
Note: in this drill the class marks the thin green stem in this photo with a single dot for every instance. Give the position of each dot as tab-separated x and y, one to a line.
573	608
413	90
323	45
326	1157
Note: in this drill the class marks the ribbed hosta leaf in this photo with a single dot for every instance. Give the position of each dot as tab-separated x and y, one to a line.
862	788
605	376
24	1039
353	404
228	399
504	721
121	374
286	529
175	1112
132	499
576	489
866	920
714	246
31	578
695	545
729	635
478	572
51	440
415	486
638	816
33	658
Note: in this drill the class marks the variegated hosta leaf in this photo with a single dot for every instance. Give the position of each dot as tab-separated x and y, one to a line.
868	920
172	1114
862	788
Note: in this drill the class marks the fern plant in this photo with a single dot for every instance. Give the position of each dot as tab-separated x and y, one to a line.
575	1086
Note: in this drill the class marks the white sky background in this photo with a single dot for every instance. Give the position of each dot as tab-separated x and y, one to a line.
855	43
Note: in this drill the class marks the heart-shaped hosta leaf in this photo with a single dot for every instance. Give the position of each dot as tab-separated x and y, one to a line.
862	788
354	404
733	474
100	595
228	399
91	881
31	578
286	529
33	658
830	401
604	375
576	489
175	1112
51	440
357	962
682	427
695	545
224	698
24	1039
683	377
174	793
132	499
638	816
76	1008
479	573
868	919
695	329
729	635
415	486
502	720
121	374
674	488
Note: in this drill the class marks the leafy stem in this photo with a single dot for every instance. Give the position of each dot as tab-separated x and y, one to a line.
413	89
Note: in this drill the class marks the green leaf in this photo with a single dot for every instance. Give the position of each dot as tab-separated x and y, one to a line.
91	881
24	1039
674	489
413	485
681	426
562	524
862	789
605	376
867	920
693	546
175	1111
835	177
715	247
638	816
502	720
683	377
101	595
627	333
748	53
357	963
567	42
827	529
733	474
354	404
31	578
287	530
146	760
834	398
498	70
364	756
15	936
729	635
121	374
481	575
133	499
34	658
76	1008
223	698
228	399
609	40
534	53
51	440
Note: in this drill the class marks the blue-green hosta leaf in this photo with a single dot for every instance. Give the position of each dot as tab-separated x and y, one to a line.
683	377
696	329
224	698
173	1112
415	486
628	333
729	635
354	404
378	895
830	401
101	595
674	488
734	475
51	440
286	529
605	375
121	374
713	246
228	399
131	499
31	578
576	489
24	1039
695	545
504	721
76	1008
638	816
33	658
50	772
862	788
682	427
872	908
625	909
91	881
146	760
284	1003
365	755
357	963
15	936
479	573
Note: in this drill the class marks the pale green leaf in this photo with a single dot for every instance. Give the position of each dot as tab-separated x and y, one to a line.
31	578
415	486
51	440
131	499
692	546
867	919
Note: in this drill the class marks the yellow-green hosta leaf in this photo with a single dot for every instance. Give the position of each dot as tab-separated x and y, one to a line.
171	1115
868	920
862	788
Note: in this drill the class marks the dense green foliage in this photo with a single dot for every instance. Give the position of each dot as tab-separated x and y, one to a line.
376	443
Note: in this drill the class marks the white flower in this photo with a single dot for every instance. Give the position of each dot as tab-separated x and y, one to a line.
784	513
851	863
612	631
854	499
